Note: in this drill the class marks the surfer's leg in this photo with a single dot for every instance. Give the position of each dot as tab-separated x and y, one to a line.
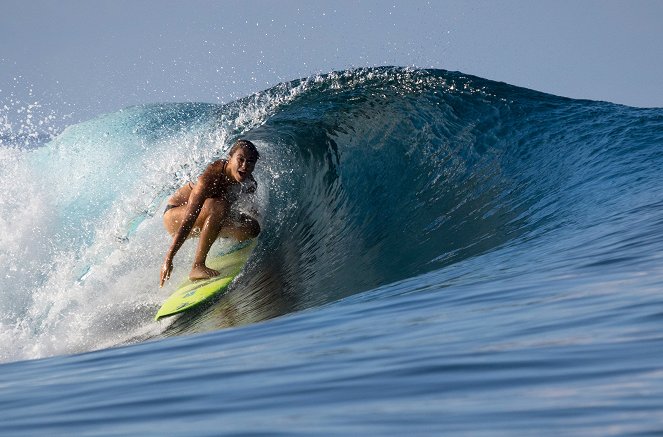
213	215
240	227
212	222
174	216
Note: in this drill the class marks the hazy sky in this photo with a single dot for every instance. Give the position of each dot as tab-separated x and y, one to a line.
91	57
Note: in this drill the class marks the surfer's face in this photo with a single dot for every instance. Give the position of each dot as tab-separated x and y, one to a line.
241	164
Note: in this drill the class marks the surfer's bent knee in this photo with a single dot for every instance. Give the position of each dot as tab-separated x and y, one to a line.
253	227
249	226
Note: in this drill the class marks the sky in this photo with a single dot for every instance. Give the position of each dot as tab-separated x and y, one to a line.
85	58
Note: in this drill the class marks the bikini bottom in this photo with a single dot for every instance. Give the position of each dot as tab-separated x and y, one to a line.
168	207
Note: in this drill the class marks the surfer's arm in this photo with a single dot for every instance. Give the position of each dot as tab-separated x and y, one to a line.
253	185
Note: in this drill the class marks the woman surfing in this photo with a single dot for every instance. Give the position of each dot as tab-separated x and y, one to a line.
203	209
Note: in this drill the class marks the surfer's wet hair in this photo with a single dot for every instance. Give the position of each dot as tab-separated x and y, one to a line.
246	145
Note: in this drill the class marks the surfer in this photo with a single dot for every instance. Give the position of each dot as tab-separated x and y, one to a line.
203	209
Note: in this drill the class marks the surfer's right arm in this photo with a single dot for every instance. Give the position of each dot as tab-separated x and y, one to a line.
194	205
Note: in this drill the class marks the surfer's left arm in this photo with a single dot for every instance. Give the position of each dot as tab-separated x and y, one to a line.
252	185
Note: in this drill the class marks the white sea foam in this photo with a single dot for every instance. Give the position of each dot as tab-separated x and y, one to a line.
80	224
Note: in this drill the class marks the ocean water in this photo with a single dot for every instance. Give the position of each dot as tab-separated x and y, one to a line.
441	255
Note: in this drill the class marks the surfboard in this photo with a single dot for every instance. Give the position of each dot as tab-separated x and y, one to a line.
193	293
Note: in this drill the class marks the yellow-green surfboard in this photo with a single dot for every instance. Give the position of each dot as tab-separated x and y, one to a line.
192	293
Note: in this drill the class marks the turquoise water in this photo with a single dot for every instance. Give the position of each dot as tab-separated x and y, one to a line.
441	254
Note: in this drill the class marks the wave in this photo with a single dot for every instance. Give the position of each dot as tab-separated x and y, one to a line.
367	177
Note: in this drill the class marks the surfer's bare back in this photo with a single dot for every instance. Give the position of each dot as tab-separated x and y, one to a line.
203	209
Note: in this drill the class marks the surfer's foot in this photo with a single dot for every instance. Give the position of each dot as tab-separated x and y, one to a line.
201	272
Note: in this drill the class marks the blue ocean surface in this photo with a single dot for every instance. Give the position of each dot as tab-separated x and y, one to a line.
441	255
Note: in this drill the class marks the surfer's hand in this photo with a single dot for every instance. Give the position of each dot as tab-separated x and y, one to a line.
165	271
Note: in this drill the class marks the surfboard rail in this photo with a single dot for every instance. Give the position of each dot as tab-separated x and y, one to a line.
190	294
